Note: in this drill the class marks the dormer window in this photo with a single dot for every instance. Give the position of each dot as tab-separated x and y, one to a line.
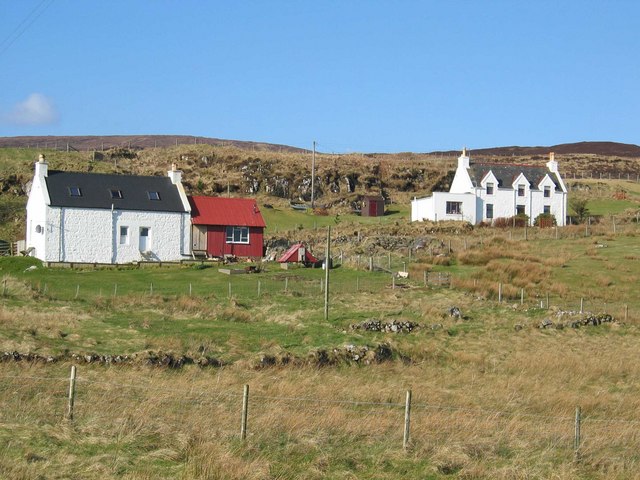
489	188
153	195
547	192
75	192
521	190
115	193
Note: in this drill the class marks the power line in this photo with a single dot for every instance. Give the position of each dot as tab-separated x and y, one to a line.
24	25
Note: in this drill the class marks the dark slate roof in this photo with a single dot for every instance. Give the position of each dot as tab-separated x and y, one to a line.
96	189
507	174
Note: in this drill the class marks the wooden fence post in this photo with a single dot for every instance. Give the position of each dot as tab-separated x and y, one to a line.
500	292
4	287
522	296
581	305
77	291
407	420
72	393
190	289
245	412
258	288
576	436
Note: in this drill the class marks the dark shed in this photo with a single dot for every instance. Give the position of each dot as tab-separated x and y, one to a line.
372	206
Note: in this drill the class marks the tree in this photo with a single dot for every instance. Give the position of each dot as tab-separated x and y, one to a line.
579	207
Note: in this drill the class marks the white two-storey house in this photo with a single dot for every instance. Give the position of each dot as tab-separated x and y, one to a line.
482	192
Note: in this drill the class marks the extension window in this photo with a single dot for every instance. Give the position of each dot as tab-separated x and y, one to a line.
237	234
454	208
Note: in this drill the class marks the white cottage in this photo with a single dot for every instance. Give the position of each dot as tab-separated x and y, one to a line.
106	218
481	192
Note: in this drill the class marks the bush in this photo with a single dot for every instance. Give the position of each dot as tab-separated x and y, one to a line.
545	220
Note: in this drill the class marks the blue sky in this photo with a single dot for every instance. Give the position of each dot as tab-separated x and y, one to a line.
366	76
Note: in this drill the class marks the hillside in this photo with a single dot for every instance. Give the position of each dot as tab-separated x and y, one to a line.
277	176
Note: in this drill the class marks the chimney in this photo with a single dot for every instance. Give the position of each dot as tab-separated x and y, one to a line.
41	167
175	175
463	160
552	165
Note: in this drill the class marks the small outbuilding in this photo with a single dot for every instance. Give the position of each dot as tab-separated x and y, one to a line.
298	253
226	226
372	206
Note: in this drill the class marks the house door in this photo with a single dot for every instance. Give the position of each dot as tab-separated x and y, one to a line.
373	209
145	239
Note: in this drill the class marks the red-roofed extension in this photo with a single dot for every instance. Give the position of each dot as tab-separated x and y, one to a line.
226	226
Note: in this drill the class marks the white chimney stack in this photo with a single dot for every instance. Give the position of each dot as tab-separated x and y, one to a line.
175	175
552	165
463	160
41	167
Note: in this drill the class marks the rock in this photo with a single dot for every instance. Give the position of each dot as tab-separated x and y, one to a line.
517	327
455	313
546	323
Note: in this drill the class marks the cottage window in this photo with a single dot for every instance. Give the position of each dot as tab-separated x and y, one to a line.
489	210
237	234
547	209
115	193
521	190
489	188
454	208
124	235
153	195
547	192
39	229
75	192
519	209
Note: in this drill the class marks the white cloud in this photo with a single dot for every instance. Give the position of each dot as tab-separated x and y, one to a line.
35	110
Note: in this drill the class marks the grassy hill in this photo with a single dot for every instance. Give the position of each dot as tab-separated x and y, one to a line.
548	321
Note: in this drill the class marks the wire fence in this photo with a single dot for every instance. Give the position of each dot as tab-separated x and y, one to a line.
115	408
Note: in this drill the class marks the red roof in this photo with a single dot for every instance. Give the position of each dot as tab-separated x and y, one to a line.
236	212
292	255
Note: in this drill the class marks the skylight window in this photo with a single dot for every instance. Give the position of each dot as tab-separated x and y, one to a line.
153	195
115	193
75	192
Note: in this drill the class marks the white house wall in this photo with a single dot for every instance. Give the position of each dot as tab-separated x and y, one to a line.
434	208
93	235
36	220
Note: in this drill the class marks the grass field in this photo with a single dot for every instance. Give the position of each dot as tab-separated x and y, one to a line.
489	400
494	395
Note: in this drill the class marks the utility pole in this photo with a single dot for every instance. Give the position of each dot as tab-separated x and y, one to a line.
327	266
313	173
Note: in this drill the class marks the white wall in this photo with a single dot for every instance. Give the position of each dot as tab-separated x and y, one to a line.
93	235
434	208
36	217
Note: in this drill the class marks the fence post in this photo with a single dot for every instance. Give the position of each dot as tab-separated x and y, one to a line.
581	305
500	292
371	264
72	393
407	420
393	281
522	296
286	283
115	289
77	291
547	300
245	411
190	289
626	313
258	288
576	437
4	287
424	274
229	289
151	289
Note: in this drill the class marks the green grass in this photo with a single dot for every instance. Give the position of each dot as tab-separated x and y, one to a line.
285	219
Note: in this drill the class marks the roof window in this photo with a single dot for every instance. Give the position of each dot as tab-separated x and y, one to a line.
153	195
115	193
75	192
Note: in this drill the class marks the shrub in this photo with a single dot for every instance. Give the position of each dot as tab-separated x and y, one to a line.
545	220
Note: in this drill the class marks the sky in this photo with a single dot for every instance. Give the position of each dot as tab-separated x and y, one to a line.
352	75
